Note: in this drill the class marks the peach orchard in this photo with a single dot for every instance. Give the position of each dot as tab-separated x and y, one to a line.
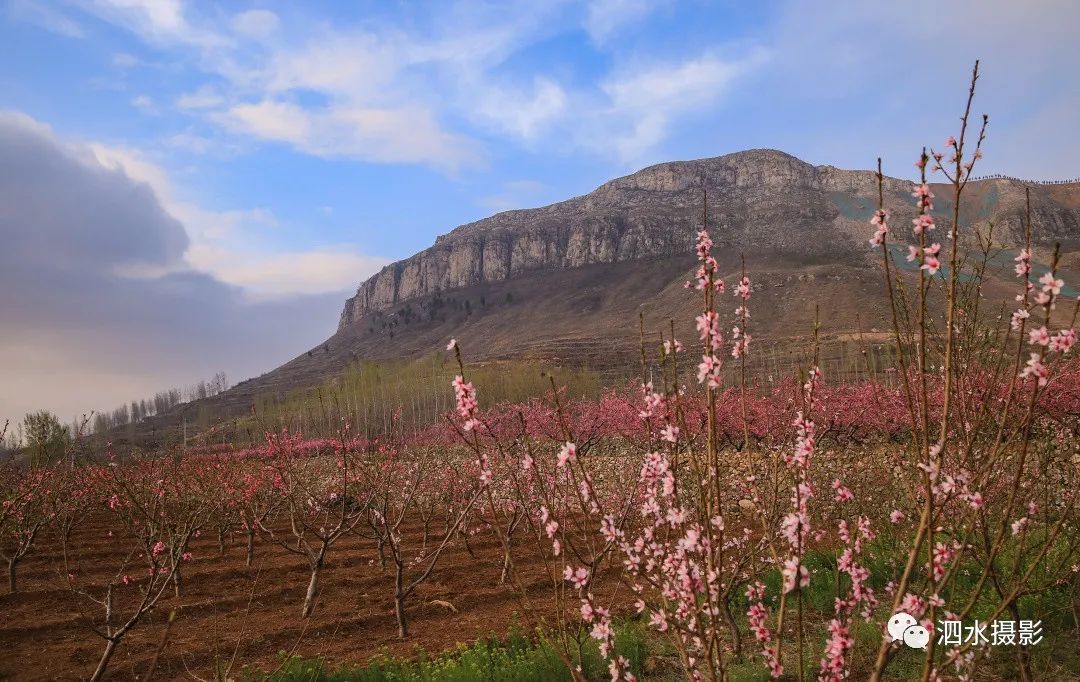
944	488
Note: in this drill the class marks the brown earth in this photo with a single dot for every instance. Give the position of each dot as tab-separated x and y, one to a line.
254	611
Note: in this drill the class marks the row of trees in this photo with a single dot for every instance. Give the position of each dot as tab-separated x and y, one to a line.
411	508
160	403
999	176
378	398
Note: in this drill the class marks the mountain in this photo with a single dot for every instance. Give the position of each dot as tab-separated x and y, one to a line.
762	202
566	283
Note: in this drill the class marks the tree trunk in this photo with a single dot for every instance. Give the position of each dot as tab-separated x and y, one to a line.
468	547
178	582
250	546
65	540
11	575
729	619
313	585
1023	662
505	569
104	663
399	602
221	541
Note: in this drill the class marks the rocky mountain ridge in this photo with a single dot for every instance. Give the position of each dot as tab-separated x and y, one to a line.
761	200
566	285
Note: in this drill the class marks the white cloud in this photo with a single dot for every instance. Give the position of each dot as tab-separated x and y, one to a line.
699	79
521	113
272	275
156	18
156	21
378	94
145	104
643	103
256	23
385	135
339	94
234	245
392	93
354	65
190	142
165	16
279	121
134	165
29	124
79	332
124	60
205	97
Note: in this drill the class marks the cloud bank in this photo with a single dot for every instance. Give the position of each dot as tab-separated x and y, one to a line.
97	302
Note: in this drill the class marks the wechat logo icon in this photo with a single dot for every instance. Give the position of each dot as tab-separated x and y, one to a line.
904	628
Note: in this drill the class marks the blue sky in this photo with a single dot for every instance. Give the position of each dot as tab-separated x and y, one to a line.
301	146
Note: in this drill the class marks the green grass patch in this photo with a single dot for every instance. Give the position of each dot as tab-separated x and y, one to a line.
517	657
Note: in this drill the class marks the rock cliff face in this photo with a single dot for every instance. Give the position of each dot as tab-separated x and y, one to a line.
566	285
761	201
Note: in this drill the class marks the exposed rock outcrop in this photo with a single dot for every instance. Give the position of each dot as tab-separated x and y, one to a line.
762	200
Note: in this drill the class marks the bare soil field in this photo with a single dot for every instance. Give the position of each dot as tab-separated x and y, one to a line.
226	607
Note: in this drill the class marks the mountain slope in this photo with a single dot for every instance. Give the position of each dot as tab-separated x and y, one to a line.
567	283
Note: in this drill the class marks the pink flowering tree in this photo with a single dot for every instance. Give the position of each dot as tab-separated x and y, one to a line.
406	489
154	515
23	512
973	394
685	561
575	504
225	492
259	501
969	424
659	519
71	499
323	498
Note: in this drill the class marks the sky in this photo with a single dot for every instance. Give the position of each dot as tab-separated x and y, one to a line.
192	187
